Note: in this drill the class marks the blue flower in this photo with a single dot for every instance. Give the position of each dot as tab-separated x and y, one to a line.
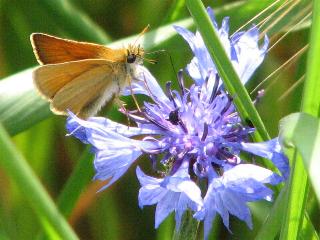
114	152
172	193
192	135
229	193
242	49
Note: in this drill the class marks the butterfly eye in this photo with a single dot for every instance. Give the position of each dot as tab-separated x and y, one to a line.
131	58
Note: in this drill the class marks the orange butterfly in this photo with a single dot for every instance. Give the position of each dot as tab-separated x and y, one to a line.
82	76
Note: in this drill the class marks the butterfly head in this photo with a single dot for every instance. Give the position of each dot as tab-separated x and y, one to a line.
135	54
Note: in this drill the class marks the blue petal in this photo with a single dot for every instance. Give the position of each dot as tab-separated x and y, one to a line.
230	193
112	164
181	182
236	206
183	204
77	127
114	153
249	55
212	17
241	173
103	133
147	85
224	36
150	195
202	58
165	207
193	70
145	179
270	150
173	193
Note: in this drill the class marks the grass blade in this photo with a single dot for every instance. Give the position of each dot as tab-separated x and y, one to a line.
17	168
81	176
311	96
74	22
311	105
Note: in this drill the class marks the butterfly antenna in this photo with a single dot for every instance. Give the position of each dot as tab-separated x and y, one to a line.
152	61
155	61
141	34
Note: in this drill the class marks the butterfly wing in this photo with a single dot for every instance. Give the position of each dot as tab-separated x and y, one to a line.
52	50
49	79
80	86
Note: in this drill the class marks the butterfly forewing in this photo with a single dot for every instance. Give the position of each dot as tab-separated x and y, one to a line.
79	76
51	50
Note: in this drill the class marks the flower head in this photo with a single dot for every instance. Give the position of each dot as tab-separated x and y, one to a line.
192	135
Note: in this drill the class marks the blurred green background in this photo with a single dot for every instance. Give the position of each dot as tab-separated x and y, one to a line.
114	213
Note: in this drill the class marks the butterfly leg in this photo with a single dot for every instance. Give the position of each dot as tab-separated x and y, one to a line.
122	105
119	103
132	94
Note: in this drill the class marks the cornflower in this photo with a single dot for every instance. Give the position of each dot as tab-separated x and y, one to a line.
193	137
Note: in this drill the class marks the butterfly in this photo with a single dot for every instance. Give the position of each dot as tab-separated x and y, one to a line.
82	77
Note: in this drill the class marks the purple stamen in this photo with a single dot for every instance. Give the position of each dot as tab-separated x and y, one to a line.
181	82
205	132
214	90
169	94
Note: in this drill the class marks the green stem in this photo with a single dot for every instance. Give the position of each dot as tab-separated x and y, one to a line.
294	214
18	169
311	97
270	226
188	229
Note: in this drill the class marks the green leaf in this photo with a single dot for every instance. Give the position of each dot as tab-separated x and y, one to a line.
271	225
79	179
17	168
302	131
307	230
175	11
20	105
166	228
308	127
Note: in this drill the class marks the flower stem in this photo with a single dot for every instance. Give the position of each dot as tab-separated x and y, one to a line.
188	229
310	104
